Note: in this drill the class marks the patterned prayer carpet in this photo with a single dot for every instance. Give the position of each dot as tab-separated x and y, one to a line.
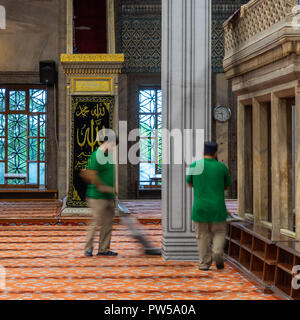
152	208
30	209
46	262
141	209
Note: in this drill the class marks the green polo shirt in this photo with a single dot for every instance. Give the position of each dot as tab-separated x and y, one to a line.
103	164
209	179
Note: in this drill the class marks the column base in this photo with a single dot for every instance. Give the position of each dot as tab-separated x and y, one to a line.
76	212
180	249
81	212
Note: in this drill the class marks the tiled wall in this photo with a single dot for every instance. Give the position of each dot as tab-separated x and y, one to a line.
139	33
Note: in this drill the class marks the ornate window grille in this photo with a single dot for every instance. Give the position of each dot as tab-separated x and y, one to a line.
23	117
150	137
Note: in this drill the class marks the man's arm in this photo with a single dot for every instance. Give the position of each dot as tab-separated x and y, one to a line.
190	184
91	177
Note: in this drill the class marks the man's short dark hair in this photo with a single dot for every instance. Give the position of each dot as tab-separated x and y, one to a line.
210	148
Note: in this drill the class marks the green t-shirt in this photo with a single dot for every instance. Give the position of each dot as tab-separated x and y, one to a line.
209	179
102	163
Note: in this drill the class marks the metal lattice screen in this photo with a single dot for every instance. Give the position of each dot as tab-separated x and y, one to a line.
150	122
23	115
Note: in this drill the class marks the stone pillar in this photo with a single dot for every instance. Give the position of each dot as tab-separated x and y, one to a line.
110	26
186	81
69	39
260	161
222	128
241	158
282	193
297	160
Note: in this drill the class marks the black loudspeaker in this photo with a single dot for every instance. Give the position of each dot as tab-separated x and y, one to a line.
47	72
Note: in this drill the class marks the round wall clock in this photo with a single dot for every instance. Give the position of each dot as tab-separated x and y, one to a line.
222	113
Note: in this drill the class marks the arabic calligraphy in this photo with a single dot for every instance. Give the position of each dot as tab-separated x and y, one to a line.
91	116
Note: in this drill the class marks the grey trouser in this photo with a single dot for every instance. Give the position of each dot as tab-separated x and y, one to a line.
103	216
205	233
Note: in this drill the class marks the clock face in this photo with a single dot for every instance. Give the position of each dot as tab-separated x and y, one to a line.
222	113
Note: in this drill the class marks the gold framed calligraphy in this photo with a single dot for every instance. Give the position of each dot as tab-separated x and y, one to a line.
103	85
89	115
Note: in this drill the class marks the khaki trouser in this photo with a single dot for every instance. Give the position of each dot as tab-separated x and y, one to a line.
205	232
103	216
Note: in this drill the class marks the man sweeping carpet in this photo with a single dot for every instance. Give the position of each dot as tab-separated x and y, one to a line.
209	178
99	175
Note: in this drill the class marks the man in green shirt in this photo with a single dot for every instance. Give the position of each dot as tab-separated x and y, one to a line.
100	196
209	178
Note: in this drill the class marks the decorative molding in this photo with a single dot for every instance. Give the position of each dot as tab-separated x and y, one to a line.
267	41
138	9
270	56
92	64
92	57
288	233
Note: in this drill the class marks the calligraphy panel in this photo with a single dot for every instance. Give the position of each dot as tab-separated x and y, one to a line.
99	85
90	114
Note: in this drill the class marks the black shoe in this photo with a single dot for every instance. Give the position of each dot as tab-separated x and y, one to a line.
219	261
204	269
88	253
107	253
153	251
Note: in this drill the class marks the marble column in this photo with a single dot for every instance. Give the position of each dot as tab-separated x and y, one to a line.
186	85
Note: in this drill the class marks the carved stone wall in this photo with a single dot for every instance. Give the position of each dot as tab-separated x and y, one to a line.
255	17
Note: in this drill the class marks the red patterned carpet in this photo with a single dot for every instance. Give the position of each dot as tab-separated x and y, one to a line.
30	209
47	262
44	260
41	210
152	208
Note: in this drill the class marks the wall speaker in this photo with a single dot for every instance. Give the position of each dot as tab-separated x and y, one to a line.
47	72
